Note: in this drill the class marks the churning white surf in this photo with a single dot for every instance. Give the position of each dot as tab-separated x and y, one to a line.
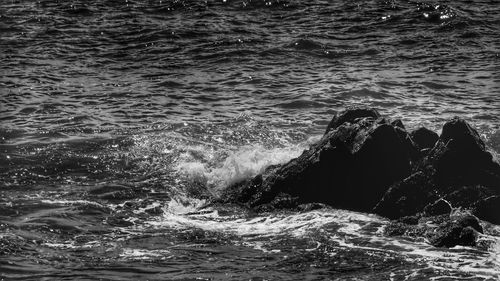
246	162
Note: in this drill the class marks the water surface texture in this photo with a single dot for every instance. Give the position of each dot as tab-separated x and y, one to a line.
120	119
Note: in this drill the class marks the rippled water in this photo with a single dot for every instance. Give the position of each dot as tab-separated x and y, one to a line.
120	119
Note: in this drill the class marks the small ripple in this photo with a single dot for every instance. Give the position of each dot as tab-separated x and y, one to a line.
363	93
78	10
305	44
438	86
298	104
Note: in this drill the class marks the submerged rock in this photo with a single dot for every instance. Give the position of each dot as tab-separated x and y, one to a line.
461	230
367	163
455	229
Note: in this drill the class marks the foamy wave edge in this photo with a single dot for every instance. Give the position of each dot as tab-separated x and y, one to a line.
240	164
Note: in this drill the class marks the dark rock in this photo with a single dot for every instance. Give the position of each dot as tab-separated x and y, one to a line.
411	220
440	207
399	124
466	219
424	138
366	163
411	147
458	231
245	191
351	116
407	197
460	158
425	151
350	167
453	236
312	206
284	201
415	226
458	168
441	231
398	229
466	196
488	209
465	137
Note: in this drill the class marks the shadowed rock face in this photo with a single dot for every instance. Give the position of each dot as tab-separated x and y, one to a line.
440	207
424	138
350	116
350	167
460	158
458	168
488	209
366	163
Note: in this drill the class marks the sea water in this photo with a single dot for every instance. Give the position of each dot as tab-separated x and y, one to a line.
122	119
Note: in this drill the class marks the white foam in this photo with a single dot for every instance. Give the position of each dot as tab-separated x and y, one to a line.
142	254
72	245
71	202
297	224
240	164
347	232
182	204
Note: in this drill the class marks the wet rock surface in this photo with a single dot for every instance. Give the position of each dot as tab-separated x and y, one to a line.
424	138
459	228
365	162
458	168
358	151
488	209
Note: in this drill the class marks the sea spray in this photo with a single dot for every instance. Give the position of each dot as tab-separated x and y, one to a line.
243	163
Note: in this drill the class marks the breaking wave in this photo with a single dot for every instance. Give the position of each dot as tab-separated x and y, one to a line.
243	163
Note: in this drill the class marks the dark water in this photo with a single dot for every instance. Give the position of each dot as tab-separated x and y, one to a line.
120	119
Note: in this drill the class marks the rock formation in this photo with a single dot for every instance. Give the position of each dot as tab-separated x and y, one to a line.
447	230
367	163
458	169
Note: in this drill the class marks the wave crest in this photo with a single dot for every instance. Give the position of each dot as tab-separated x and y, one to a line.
246	162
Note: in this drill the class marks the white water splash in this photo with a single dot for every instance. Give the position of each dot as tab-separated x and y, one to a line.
72	202
143	254
345	229
297	224
243	163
